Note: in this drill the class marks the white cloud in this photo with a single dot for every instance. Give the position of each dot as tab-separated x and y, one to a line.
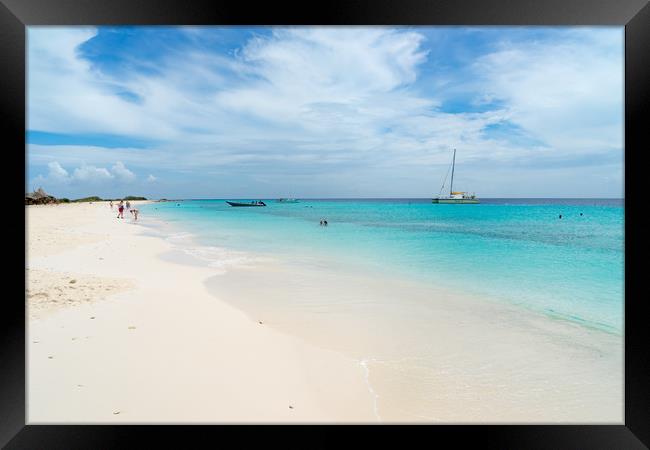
312	83
86	174
67	95
56	172
91	174
303	69
568	91
122	173
337	97
151	178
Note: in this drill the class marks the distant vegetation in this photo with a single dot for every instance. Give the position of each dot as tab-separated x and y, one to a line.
99	199
88	199
40	197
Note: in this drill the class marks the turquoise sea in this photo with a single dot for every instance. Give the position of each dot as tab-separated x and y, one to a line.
517	251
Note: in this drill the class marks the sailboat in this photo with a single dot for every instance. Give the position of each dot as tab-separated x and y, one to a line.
455	197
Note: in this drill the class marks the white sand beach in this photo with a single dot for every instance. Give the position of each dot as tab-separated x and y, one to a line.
117	335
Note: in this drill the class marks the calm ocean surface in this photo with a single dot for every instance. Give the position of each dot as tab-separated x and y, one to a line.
512	250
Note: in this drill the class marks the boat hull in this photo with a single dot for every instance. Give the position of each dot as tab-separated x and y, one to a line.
456	201
244	204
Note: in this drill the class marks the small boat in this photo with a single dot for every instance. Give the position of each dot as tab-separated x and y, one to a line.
253	203
287	200
454	197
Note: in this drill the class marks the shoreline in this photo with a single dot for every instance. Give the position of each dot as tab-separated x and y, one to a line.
487	265
256	289
508	365
165	350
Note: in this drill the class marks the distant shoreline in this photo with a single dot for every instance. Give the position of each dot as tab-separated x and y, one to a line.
394	198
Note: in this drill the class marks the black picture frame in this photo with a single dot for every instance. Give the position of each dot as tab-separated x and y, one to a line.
15	15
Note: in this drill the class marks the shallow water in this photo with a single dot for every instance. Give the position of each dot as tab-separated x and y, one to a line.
517	251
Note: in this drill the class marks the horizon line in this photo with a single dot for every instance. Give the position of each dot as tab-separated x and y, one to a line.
392	198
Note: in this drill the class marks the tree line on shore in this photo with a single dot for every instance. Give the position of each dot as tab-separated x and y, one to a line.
40	197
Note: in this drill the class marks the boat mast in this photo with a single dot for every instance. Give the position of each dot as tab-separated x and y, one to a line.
453	164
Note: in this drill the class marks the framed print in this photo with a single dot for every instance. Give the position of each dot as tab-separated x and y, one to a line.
359	213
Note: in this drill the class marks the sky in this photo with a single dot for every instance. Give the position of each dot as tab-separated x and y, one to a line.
323	112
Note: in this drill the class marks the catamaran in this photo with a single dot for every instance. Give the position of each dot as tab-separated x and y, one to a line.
456	197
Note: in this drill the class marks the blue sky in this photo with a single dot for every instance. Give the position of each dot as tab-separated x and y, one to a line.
242	112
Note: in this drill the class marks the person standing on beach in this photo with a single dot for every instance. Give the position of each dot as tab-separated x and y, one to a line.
135	213
128	205
111	204
120	210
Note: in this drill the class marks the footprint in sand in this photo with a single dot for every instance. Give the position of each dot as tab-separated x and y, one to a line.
92	317
116	412
131	328
50	357
260	322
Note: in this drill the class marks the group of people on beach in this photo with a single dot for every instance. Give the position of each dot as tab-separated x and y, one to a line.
323	222
120	209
